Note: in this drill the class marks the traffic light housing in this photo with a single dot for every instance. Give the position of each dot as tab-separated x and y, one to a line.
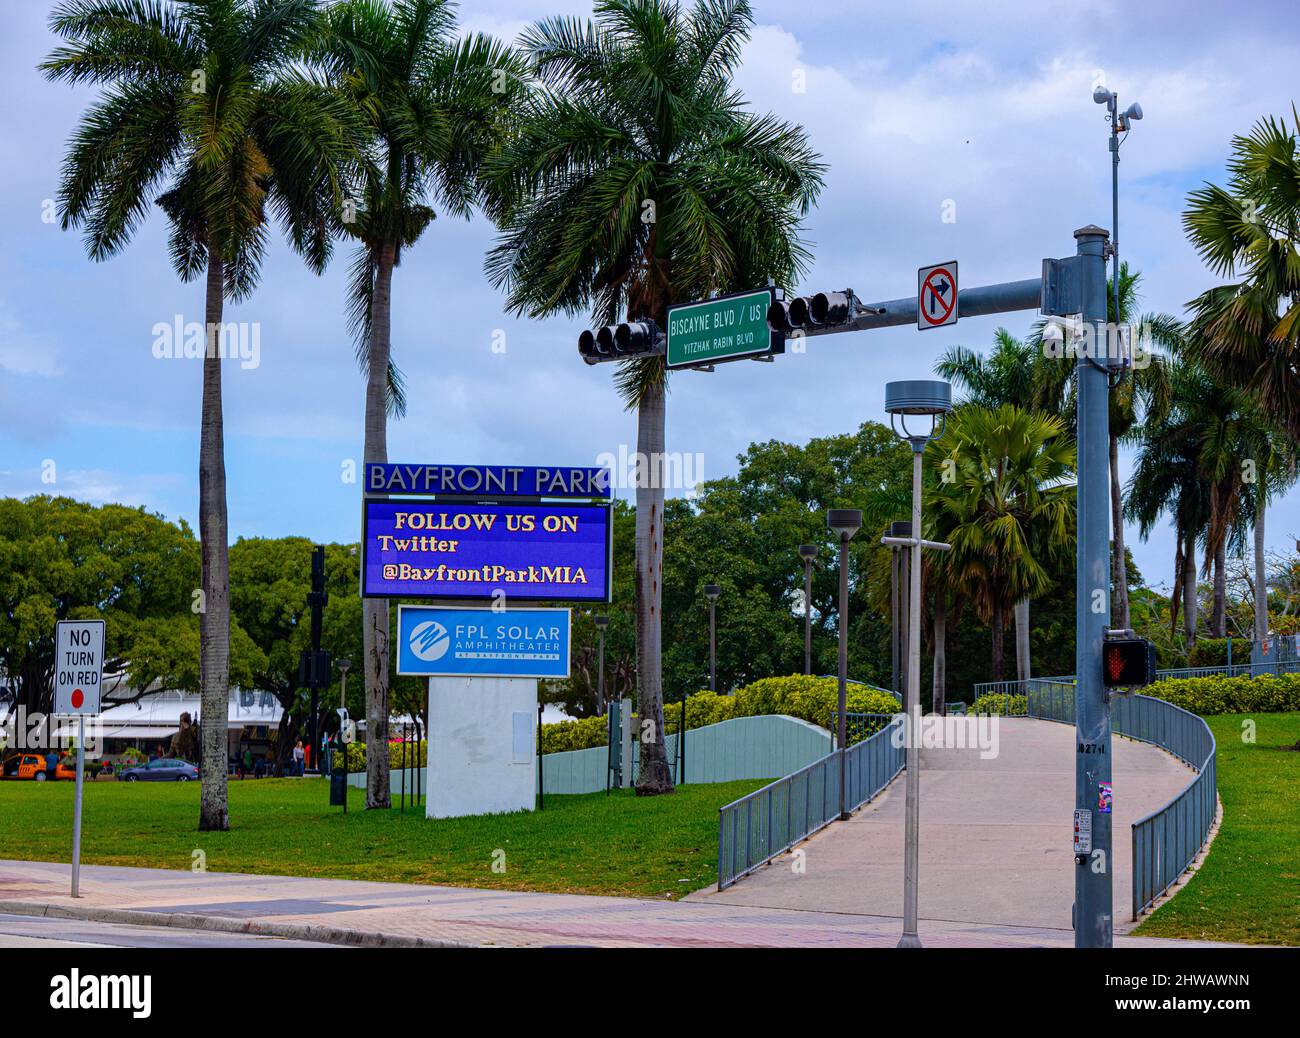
617	341
1127	662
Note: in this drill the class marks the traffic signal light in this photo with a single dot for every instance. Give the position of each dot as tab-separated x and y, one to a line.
829	307
815	311
1127	662
616	341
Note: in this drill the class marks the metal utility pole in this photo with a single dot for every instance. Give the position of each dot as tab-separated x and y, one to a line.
845	522
314	665
807	552
1093	894
601	623
712	591
897	605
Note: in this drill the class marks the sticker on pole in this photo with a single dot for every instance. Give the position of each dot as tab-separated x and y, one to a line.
1105	798
936	295
1082	832
78	666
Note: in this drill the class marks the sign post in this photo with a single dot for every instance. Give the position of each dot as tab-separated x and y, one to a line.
78	673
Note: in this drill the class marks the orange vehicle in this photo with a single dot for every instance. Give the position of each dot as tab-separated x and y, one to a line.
32	766
67	769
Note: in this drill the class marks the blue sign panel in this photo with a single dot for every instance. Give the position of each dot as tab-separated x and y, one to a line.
487	481
484	643
450	550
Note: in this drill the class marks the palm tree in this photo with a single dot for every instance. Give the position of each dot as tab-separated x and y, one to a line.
638	179
435	107
1008	506
1179	469
1241	332
1010	374
197	99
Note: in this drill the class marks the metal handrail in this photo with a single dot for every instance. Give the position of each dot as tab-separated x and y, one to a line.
792	808
1167	840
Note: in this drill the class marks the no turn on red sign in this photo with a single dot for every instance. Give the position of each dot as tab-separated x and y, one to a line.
78	666
936	295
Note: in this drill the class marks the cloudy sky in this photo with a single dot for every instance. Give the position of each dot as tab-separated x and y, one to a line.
981	109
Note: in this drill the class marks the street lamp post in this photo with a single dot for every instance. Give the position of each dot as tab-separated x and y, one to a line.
712	591
845	522
933	400
601	623
807	552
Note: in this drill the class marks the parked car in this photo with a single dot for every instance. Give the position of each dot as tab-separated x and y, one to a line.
29	766
67	769
164	769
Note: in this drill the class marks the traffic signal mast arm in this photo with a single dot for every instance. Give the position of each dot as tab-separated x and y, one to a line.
1005	297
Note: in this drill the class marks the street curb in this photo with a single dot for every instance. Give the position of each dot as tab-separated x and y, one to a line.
221	924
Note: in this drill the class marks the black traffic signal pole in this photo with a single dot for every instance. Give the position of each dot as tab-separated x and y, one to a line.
315	671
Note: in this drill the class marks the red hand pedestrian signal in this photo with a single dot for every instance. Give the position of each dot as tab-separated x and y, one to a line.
1127	662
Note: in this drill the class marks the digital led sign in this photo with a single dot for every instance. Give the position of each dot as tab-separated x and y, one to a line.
487	481
455	551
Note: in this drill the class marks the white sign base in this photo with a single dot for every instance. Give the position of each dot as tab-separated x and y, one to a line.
482	746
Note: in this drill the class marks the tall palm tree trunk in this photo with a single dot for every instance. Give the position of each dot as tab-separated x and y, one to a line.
655	776
214	617
1219	612
1118	568
1189	592
940	690
998	650
1261	575
375	610
1024	665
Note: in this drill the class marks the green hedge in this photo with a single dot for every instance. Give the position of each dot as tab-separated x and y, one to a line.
1224	695
999	703
575	735
415	756
809	698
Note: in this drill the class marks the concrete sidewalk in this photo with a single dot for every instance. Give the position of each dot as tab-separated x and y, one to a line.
995	837
402	915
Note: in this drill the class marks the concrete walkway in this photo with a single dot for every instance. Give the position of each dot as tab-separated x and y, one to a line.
995	837
407	915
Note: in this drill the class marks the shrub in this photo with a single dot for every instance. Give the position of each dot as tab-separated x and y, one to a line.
1225	695
808	698
416	755
1209	652
999	703
575	735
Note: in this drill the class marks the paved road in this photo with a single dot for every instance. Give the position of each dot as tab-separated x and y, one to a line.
18	931
995	837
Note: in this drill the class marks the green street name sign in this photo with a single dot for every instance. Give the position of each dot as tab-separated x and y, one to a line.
725	328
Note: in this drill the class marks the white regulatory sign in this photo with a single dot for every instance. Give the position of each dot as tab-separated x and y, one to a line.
936	295
78	666
1083	832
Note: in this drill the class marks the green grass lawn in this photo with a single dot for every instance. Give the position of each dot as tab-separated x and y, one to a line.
621	844
1248	889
